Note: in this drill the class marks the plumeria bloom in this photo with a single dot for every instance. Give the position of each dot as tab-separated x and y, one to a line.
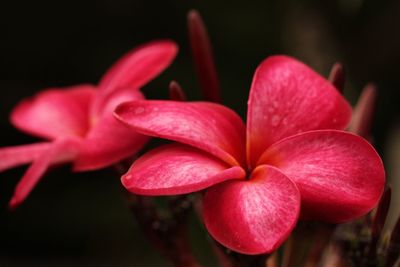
291	159
78	122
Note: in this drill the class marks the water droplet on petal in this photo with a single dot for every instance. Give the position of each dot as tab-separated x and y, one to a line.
275	120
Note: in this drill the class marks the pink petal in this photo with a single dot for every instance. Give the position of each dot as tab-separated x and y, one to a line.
210	127
287	98
135	69
65	149
14	156
177	169
116	98
253	216
110	141
55	113
340	176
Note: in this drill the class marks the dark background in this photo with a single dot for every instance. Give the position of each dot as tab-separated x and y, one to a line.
82	219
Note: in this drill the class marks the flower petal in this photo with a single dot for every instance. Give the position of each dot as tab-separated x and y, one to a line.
55	113
135	69
253	216
210	127
65	149
287	98
177	169
14	156
110	141
340	176
119	97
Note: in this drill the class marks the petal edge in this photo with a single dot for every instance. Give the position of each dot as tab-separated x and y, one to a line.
340	175
177	169
286	98
211	127
253	216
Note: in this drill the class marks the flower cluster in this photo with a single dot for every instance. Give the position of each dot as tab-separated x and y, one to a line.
291	159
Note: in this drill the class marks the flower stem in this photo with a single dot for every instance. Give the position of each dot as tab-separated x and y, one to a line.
393	250
371	251
168	234
321	239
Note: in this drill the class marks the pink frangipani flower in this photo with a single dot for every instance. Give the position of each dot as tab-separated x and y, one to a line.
78	121
292	159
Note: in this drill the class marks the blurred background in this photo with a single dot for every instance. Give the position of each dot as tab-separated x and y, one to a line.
82	219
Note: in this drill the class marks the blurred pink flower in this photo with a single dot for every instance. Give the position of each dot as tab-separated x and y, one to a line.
291	156
78	120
